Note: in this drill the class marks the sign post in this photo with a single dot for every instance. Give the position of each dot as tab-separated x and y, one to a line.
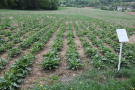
122	35
120	56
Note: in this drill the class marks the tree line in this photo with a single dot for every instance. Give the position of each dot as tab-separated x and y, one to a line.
94	3
29	4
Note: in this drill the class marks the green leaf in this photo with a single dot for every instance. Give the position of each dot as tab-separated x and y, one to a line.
14	84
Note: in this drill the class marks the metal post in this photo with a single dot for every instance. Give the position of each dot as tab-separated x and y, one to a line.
120	54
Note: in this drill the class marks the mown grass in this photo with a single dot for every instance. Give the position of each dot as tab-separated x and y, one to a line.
97	80
62	8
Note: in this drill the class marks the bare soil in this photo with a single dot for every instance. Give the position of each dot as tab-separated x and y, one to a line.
132	39
132	13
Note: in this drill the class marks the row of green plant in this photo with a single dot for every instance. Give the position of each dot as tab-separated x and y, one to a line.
15	51
51	59
5	47
31	26
110	30
2	41
4	23
16	73
14	35
73	58
90	51
2	63
127	50
6	33
36	47
34	38
109	57
25	44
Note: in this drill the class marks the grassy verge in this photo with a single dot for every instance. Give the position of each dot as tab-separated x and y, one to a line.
97	80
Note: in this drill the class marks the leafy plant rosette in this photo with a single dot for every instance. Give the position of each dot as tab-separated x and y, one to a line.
51	60
14	52
2	63
36	47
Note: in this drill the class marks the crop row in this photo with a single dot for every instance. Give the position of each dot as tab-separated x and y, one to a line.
90	51
109	57
73	58
51	59
4	23
36	47
16	33
16	73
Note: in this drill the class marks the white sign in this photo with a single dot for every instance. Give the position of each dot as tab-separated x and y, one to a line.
122	35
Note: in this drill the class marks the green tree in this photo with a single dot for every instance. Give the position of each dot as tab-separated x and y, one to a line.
4	4
29	4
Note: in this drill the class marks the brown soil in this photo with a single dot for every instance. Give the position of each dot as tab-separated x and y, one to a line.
15	24
132	13
132	39
6	29
11	17
3	55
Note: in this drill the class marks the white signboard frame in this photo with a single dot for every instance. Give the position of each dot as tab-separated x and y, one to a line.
122	35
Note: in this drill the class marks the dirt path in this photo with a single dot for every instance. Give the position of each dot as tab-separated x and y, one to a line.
132	39
132	13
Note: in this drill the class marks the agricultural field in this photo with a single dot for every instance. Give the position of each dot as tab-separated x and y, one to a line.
74	48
